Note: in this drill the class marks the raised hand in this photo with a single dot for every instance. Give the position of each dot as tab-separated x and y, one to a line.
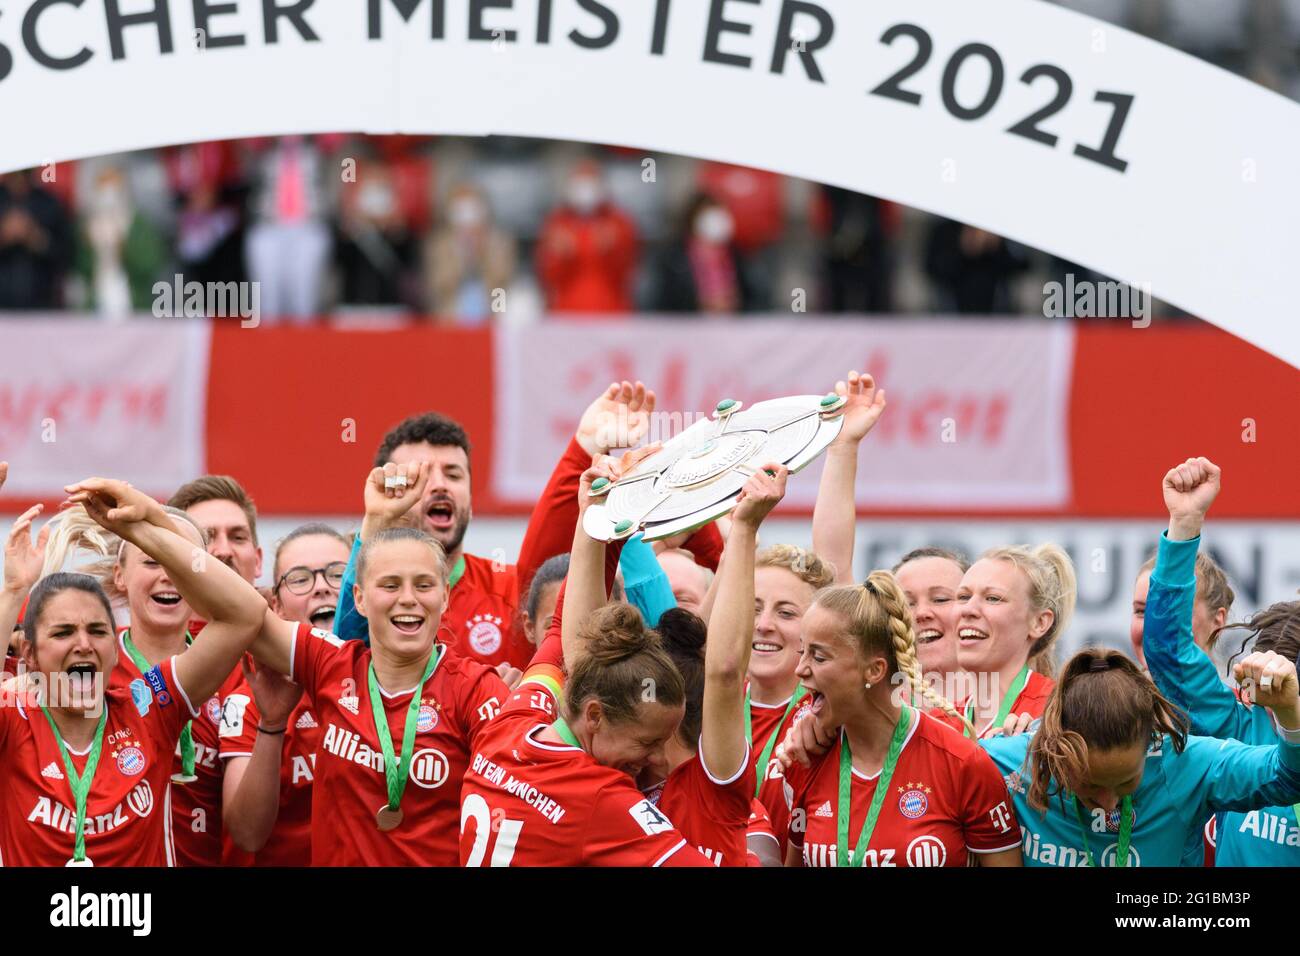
865	406
761	493
275	695
23	562
619	418
804	742
1189	489
115	505
391	492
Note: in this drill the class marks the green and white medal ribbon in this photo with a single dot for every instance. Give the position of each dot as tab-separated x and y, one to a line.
845	807
389	816
1125	831
80	784
1008	702
800	693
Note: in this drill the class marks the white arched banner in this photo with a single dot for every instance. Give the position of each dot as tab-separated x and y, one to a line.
1052	128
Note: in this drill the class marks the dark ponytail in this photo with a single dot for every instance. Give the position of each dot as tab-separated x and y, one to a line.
1102	701
683	636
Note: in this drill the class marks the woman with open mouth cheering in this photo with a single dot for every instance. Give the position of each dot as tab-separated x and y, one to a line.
89	769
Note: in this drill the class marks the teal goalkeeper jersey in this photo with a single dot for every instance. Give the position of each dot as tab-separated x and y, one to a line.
1269	836
1177	793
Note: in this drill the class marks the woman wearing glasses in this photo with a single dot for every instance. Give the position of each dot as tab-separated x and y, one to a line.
269	733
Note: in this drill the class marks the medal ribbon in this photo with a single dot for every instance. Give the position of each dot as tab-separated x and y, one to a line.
1125	831
1008	701
395	768
845	807
80	785
187	734
561	727
456	573
799	694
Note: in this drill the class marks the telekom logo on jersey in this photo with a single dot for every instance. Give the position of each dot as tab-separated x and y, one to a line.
56	815
429	767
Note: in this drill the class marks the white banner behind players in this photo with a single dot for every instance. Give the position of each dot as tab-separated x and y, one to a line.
978	411
79	396
1038	123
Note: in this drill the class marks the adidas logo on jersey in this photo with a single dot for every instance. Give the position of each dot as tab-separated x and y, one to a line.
307	720
52	771
824	810
349	704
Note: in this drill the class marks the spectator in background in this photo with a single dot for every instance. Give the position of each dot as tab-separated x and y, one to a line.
971	268
208	191
288	247
119	253
375	249
467	259
700	272
35	244
859	260
588	248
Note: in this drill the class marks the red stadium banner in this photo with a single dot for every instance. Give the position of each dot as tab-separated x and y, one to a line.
81	397
1075	417
978	411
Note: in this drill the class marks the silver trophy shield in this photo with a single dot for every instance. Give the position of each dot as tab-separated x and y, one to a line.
697	476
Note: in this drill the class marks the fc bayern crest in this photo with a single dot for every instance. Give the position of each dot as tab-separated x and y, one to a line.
213	709
1113	819
485	634
130	759
427	718
914	802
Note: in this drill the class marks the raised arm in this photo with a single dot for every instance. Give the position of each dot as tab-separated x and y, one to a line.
584	588
731	628
232	607
1182	671
835	514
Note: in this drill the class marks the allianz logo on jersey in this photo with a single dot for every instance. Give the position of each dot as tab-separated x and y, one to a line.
1264	825
924	850
59	817
429	767
1052	854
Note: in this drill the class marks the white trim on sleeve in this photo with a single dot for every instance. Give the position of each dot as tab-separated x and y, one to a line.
1001	849
180	689
662	859
744	765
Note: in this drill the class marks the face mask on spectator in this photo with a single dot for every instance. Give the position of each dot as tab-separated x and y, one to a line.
376	200
467	212
585	194
714	225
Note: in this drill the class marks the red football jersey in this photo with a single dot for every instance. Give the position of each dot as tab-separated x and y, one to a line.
290	841
760	827
196	807
713	814
127	820
350	785
1032	700
528	802
946	800
764	719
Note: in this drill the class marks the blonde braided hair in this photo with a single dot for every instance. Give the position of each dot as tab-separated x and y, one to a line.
880	622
